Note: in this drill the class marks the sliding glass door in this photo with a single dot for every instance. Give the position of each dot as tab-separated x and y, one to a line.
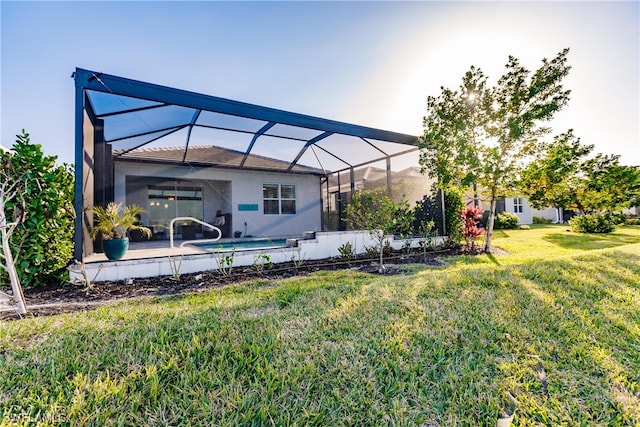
167	202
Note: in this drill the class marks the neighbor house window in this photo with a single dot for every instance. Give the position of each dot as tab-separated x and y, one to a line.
518	204
279	199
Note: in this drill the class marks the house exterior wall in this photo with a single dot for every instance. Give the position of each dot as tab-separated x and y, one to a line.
553	214
526	216
528	212
232	191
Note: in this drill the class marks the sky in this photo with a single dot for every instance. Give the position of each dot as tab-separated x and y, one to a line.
367	63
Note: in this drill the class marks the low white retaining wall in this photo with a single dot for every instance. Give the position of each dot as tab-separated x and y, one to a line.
324	245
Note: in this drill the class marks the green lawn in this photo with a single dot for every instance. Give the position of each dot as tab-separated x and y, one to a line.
554	325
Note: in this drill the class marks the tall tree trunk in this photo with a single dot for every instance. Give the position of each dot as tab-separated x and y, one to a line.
490	221
5	234
16	289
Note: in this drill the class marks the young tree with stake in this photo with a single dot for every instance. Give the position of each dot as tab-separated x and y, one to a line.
484	135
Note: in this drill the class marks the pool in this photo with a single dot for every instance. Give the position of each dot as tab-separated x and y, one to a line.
242	245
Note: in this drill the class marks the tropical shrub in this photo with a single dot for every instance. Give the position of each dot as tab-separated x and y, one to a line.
594	223
346	251
506	221
115	222
470	216
44	238
374	251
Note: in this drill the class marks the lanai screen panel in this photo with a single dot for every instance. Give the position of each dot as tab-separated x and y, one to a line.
352	149
157	123
129	119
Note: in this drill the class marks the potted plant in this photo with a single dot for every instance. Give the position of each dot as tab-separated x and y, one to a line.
113	223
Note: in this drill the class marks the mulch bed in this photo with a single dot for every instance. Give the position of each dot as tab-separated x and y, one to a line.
56	299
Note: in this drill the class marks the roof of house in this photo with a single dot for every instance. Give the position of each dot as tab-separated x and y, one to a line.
211	156
375	174
137	116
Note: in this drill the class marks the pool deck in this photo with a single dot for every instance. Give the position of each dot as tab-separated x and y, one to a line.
162	249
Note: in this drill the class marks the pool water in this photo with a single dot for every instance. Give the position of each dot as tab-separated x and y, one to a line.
243	244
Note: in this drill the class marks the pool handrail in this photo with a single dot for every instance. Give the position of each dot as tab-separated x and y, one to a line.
190	218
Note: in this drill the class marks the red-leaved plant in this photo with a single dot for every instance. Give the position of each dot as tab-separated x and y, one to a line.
470	216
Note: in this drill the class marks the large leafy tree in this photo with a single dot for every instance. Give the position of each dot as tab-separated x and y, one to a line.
553	178
566	177
43	240
610	186
484	135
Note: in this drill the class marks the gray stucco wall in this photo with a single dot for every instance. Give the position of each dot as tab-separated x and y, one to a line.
228	190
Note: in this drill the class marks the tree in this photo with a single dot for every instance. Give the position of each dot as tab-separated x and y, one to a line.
11	189
610	186
374	211
484	135
564	177
43	240
552	178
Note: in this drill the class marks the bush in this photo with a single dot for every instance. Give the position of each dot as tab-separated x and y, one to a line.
346	251
618	218
632	221
453	205
470	216
506	221
541	220
596	223
45	237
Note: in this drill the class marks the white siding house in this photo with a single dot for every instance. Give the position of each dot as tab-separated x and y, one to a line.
521	207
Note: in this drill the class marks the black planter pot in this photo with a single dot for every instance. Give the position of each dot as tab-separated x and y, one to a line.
115	248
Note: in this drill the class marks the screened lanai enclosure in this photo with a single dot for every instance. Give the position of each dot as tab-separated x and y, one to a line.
268	172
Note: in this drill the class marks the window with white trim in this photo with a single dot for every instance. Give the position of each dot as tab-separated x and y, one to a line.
279	199
518	204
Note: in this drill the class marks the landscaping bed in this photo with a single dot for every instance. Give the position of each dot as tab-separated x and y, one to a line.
56	299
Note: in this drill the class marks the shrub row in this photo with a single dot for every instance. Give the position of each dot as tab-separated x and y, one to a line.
541	220
506	221
594	223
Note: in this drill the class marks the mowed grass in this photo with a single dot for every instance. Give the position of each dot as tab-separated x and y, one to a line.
550	331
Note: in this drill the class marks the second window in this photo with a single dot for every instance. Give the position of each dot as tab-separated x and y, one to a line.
279	199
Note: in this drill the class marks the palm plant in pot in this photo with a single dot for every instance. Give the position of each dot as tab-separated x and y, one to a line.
113	223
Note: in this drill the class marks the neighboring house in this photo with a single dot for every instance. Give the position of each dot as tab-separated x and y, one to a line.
521	207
